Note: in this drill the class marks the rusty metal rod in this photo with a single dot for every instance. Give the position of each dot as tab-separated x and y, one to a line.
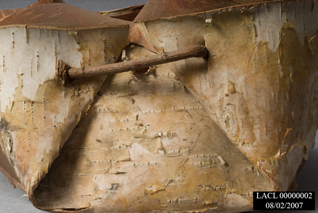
66	72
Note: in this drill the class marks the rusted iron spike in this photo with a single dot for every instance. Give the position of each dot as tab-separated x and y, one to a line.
66	73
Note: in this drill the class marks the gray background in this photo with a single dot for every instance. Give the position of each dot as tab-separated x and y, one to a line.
12	200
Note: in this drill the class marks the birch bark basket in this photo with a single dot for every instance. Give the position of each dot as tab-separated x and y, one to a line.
199	134
39	112
259	84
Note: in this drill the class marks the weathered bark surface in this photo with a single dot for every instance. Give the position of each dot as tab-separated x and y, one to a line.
39	112
196	135
8	171
160	9
260	81
66	17
148	144
6	13
128	13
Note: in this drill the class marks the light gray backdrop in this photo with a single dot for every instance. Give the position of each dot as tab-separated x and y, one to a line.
13	201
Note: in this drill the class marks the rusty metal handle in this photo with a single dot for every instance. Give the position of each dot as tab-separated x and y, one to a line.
67	73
